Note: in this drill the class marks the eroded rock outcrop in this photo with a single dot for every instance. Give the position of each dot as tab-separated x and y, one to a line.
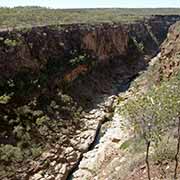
33	49
169	57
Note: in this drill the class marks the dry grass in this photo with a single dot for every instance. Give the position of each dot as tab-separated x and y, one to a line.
33	16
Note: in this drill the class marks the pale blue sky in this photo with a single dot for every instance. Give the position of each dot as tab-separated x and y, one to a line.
92	3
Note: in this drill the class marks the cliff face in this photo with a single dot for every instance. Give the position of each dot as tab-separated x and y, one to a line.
152	32
107	42
34	49
169	58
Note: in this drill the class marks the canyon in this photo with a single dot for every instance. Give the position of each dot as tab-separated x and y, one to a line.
67	79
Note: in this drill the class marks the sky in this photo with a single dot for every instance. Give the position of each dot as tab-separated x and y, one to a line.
92	3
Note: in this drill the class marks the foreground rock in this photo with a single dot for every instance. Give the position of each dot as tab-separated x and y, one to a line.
93	161
66	154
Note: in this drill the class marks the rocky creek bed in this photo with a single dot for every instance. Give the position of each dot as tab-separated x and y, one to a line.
64	161
79	152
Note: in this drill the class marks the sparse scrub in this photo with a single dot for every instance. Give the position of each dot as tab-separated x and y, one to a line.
152	114
19	17
165	150
9	153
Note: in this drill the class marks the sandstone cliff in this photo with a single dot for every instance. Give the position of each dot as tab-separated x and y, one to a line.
169	55
34	49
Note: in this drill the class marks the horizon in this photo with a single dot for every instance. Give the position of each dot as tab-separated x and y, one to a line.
92	8
93	4
89	8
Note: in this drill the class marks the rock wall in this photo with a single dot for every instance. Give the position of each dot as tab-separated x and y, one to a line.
169	57
33	49
152	31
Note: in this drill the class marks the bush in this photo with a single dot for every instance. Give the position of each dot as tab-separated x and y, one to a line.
4	99
11	42
154	112
9	153
165	150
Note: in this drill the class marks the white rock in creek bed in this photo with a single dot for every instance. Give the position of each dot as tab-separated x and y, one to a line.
36	177
64	131
58	167
93	111
88	164
63	169
89	116
59	177
82	175
87	134
93	126
83	147
53	163
51	177
78	131
68	150
99	114
74	142
46	155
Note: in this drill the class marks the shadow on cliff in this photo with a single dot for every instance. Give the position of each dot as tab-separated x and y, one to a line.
106	80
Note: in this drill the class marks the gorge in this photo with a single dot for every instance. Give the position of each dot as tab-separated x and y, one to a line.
58	88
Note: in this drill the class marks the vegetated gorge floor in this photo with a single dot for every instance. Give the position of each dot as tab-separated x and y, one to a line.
105	160
96	144
98	140
99	153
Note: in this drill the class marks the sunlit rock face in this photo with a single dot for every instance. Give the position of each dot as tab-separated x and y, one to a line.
107	41
33	49
169	57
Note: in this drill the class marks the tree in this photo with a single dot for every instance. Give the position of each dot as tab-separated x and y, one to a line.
177	151
155	112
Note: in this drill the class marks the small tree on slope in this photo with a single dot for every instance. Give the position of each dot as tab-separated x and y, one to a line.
153	114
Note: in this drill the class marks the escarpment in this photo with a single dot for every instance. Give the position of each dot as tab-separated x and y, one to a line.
35	48
169	58
53	84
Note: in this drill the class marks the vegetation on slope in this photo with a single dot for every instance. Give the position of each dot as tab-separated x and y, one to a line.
153	117
32	116
33	16
153	114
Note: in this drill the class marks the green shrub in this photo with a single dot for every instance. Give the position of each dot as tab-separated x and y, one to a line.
11	42
9	153
165	150
36	151
41	120
134	145
4	99
139	45
81	59
154	112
